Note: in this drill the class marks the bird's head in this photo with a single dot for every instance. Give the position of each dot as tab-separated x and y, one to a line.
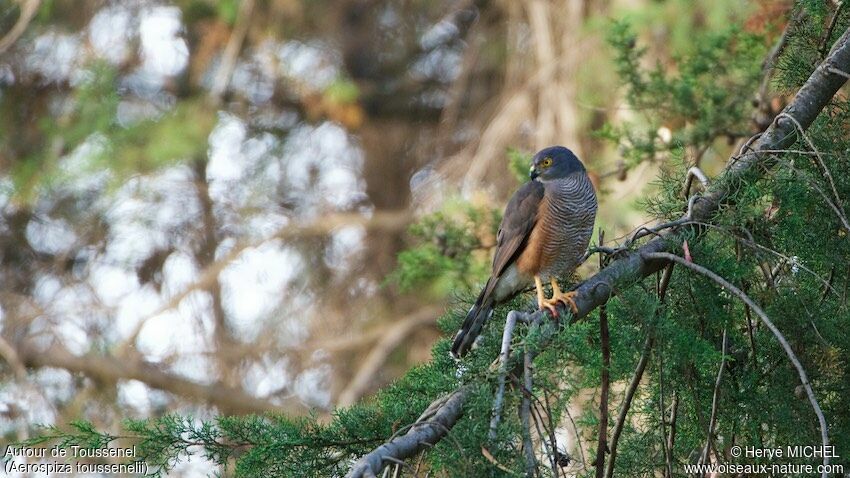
555	162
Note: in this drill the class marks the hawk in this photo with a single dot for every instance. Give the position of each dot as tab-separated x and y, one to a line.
544	234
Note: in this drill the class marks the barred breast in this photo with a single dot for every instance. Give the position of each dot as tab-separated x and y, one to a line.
568	213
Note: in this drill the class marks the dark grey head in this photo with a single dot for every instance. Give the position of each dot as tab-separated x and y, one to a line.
555	162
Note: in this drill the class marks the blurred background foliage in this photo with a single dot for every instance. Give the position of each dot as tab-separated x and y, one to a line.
244	206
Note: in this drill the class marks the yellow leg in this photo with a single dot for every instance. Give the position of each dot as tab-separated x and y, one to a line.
541	298
556	289
565	298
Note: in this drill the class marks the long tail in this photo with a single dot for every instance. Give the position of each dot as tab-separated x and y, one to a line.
475	320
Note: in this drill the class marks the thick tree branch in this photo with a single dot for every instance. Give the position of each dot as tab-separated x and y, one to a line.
428	430
750	165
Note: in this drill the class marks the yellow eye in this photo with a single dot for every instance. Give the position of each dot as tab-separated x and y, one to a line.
546	162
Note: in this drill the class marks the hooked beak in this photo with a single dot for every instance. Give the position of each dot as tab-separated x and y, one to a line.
533	173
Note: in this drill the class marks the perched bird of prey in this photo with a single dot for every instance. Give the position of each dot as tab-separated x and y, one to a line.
544	234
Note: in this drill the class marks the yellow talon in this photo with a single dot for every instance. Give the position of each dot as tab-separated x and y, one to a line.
565	298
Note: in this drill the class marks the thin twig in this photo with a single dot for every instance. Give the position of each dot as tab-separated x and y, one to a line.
838	207
627	403
28	10
656	230
668	470
746	147
602	442
10	355
835	207
824	44
801	372
380	351
715	400
750	333
763	265
671	438
547	436
695	172
578	438
770	62
784	259
231	51
812	321
418	463
551	431
838	72
829	283
398	463
492	459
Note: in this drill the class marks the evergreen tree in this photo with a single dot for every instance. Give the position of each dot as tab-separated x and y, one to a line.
702	370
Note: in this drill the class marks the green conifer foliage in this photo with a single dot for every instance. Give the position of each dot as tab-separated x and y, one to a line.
784	242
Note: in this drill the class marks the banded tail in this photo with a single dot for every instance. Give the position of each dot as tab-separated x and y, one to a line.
477	316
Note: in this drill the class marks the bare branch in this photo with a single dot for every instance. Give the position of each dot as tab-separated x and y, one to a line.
28	10
832	22
448	411
695	172
108	369
769	63
379	221
550	443
504	355
231	51
525	415
578	438
627	402
671	438
8	353
602	442
839	72
389	341
715	399
668	458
